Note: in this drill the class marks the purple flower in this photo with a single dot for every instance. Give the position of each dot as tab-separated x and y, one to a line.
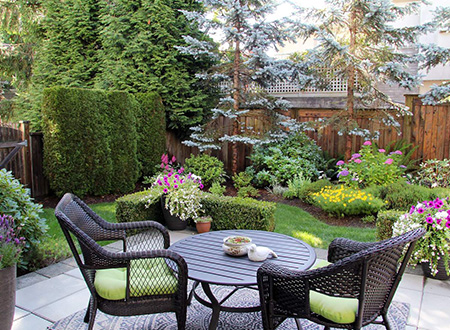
398	152
343	173
339	163
201	186
175	186
447	224
176	176
402	166
159	182
430	204
389	161
170	174
429	220
356	156
381	150
163	165
367	143
358	161
165	190
420	210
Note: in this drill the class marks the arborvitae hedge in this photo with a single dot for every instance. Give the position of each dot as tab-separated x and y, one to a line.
151	131
89	141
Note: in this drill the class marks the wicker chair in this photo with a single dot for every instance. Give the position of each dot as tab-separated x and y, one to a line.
143	278
364	276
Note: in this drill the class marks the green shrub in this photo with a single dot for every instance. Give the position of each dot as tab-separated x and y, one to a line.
434	173
342	200
227	212
281	161
242	182
385	220
401	195
239	213
209	168
131	208
151	132
89	141
217	189
15	201
122	108
313	187
371	166
296	185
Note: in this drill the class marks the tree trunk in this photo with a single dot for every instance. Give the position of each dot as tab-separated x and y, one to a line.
351	85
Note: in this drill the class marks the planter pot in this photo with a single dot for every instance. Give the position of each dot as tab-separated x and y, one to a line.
172	222
203	227
441	274
8	291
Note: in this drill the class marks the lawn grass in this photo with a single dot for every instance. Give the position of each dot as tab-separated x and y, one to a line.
295	222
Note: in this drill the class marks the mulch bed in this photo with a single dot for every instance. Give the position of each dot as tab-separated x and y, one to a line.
318	213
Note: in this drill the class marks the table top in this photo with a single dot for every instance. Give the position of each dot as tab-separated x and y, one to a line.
208	263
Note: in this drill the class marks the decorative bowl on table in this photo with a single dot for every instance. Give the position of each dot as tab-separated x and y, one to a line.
236	246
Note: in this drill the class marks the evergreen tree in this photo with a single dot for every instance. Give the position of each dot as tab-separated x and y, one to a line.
359	43
138	55
244	69
434	55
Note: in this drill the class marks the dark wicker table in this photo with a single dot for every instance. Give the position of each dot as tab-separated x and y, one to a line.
208	264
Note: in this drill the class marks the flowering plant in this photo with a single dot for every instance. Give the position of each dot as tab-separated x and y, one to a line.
10	244
182	193
434	216
371	167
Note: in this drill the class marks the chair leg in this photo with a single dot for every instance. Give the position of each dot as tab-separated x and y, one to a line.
385	321
88	312
299	326
91	312
181	319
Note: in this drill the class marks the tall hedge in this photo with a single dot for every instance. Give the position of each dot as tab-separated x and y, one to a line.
151	131
89	141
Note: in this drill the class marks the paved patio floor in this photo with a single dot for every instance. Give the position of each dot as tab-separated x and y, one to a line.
57	291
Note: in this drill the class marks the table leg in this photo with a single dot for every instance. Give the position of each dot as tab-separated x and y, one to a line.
215	306
191	294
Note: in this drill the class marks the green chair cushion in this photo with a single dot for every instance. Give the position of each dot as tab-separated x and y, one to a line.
147	277
336	309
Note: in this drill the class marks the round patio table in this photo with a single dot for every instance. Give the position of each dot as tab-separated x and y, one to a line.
208	264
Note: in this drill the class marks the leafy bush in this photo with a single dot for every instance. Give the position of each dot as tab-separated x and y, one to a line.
209	168
434	173
343	201
312	187
401	195
371	167
385	221
89	141
132	207
242	182
15	201
296	186
227	212
217	189
281	161
151	131
239	213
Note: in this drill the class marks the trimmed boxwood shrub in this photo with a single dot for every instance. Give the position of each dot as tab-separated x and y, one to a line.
151	131
89	141
131	208
239	213
385	220
227	212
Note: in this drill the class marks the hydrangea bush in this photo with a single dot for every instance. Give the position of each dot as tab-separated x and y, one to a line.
434	216
371	167
10	244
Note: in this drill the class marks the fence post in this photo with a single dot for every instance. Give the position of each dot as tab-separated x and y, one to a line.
24	127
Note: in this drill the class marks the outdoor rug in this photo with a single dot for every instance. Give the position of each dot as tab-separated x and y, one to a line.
198	317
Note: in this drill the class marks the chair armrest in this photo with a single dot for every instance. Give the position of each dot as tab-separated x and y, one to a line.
341	248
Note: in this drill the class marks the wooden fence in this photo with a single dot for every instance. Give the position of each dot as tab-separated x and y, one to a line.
27	165
428	128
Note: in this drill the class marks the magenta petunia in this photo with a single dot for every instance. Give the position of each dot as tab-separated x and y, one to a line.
160	182
176	176
430	204
381	150
367	143
201	186
447	224
181	170
429	220
339	163
175	186
389	161
420	210
166	190
358	161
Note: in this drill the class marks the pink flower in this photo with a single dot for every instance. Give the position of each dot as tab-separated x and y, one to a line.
201	186
339	163
389	161
173	159
175	186
181	170
398	152
381	150
356	156
167	167
160	182
429	220
166	190
367	143
358	161
162	165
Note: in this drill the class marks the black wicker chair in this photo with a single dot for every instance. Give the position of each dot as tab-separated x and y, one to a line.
143	278
365	275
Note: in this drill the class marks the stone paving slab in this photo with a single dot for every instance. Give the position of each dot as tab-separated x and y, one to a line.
29	279
55	269
31	322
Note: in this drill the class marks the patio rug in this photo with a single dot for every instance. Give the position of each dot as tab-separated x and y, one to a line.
198	317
